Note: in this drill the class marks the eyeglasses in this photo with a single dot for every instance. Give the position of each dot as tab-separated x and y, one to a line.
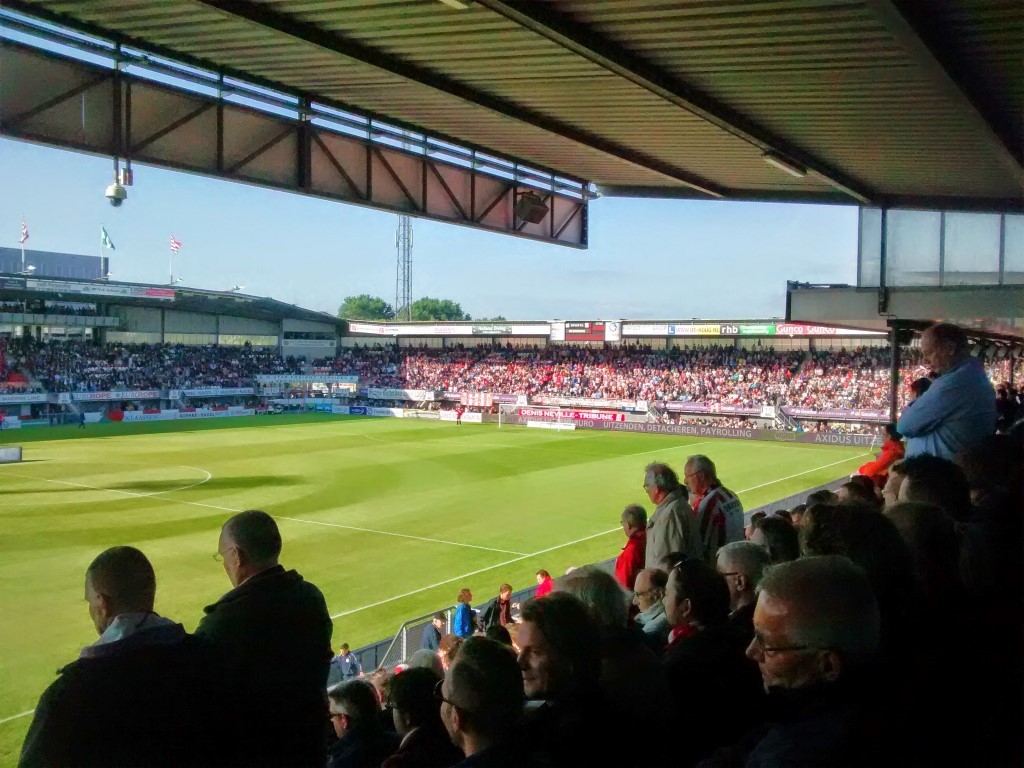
637	595
439	695
771	650
220	555
729	573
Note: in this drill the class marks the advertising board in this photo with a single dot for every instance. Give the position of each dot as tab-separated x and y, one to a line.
468	418
584	330
128	394
100	289
555	413
27	397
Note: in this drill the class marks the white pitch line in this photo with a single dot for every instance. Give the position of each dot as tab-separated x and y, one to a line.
15	717
279	517
401	535
807	472
474	573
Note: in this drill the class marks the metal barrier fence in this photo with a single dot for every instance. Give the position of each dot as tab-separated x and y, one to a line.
394	650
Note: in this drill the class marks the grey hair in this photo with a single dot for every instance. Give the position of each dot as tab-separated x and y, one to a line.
833	604
607	601
701	463
661	476
747	558
635	515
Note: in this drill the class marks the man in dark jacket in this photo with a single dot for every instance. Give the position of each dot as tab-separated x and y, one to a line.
417	717
274	635
141	695
715	690
431	637
355	714
816	636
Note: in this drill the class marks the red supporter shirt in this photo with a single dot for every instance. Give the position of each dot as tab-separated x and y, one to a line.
544	587
878	470
631	560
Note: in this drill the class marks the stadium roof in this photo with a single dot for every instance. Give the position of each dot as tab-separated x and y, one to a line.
13	287
880	102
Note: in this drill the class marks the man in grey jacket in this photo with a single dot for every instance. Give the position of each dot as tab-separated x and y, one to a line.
672	527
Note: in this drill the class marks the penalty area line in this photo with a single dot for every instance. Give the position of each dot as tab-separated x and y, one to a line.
474	573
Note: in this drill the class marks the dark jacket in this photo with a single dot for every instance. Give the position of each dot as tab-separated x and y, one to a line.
425	747
361	749
274	635
496	613
148	700
828	726
431	637
716	691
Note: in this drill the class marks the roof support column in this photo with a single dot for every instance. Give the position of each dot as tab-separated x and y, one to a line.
894	370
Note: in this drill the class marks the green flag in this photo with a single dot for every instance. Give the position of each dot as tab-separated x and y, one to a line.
105	241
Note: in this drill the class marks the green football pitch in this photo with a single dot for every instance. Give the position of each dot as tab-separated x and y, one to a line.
389	517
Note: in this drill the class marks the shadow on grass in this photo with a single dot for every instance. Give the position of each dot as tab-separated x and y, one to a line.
134	531
245	482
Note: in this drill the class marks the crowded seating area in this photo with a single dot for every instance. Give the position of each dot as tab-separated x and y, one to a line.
715	375
68	366
875	625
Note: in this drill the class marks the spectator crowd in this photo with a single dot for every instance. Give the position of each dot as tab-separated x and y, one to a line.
79	367
875	625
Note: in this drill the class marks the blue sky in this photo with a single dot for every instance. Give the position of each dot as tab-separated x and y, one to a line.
658	259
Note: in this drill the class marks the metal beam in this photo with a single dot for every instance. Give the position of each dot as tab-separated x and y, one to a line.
335	166
948	76
262	15
606	53
70	22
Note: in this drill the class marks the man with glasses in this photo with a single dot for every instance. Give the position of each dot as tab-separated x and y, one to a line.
718	511
274	635
741	564
816	636
648	592
482	701
671	527
354	711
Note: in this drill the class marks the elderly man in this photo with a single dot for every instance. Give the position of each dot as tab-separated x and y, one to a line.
959	409
672	527
718	511
816	634
648	597
141	695
274	634
482	704
741	564
631	560
354	711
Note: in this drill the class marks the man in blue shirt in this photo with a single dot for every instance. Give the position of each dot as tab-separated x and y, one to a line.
959	408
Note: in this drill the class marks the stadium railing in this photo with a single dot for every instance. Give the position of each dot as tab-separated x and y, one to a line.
392	651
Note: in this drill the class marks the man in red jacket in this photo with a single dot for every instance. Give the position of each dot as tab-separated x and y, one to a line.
892	451
631	560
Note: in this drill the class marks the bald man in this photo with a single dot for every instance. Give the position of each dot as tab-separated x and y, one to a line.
274	633
143	694
959	409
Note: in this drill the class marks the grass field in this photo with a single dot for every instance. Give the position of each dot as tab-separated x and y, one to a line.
390	518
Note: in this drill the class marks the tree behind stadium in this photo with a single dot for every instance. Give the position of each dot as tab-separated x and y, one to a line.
437	309
365	307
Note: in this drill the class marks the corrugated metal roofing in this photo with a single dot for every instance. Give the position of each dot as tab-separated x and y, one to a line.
886	99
